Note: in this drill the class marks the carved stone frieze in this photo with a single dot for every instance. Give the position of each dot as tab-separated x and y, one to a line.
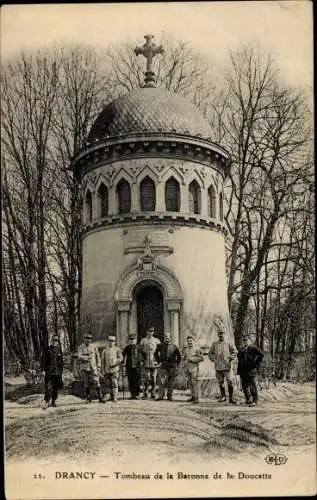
137	169
164	146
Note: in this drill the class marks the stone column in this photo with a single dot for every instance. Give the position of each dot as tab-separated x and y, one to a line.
160	195
174	307
184	198
135	198
133	318
204	202
123	322
112	200
95	214
175	322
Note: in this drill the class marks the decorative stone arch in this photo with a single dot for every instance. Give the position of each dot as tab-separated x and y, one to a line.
195	175
125	304
173	171
102	180
88	186
122	173
146	171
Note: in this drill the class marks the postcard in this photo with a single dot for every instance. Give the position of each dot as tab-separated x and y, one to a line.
158	250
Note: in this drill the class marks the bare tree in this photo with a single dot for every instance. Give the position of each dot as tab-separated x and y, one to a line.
29	92
265	126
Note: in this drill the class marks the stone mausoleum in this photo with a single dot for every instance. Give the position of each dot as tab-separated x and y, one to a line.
153	228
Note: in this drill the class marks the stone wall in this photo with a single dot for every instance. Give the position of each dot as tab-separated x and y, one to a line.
196	258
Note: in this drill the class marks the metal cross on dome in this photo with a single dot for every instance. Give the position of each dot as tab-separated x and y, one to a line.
149	50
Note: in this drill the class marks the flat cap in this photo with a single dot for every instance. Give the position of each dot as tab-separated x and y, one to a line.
132	336
87	336
111	337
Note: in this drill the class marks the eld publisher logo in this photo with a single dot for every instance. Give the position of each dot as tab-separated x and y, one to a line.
276	459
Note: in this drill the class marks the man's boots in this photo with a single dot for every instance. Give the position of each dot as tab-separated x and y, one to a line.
222	395
145	393
115	395
87	396
231	400
101	399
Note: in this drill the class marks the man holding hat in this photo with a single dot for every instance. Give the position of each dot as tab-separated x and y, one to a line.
111	359
222	353
192	357
89	359
134	358
168	356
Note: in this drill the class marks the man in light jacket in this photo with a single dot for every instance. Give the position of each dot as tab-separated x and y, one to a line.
89	362
111	359
222	353
192	356
148	346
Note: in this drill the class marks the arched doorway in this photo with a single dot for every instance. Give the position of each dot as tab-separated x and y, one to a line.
139	305
150	309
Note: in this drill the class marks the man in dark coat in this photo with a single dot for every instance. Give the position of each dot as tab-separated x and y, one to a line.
249	360
168	356
134	358
52	365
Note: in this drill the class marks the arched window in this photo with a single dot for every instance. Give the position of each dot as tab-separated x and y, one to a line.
147	195
221	206
172	195
103	201
123	197
211	202
88	207
194	197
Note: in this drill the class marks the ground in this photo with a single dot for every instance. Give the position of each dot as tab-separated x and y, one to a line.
162	430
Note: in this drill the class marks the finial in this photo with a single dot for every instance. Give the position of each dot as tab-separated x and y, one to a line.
149	50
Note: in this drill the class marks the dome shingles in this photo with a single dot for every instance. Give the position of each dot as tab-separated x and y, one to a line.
149	110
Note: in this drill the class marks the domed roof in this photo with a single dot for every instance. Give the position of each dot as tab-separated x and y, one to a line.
149	110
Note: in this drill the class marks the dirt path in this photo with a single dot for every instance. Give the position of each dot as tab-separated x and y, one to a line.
160	430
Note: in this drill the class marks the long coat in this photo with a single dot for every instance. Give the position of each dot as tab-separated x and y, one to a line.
111	359
222	353
249	360
89	359
52	363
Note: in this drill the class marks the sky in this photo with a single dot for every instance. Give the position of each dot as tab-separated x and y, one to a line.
213	28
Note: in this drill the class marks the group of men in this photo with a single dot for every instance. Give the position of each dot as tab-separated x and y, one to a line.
152	363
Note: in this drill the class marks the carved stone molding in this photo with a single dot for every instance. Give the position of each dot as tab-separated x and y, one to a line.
135	170
161	275
155	145
129	220
123	305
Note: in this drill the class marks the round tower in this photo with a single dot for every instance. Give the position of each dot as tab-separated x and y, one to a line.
153	229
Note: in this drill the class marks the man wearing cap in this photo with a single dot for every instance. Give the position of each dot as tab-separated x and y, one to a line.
148	345
192	357
134	358
222	353
52	366
89	360
249	360
111	359
168	356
